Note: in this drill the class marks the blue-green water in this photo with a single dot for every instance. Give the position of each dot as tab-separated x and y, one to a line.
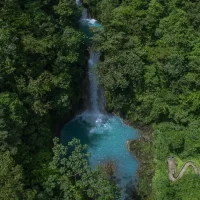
89	26
106	137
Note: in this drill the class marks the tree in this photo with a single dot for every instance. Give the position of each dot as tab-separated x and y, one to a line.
41	67
149	71
70	176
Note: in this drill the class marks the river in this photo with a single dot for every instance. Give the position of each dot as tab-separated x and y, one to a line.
106	135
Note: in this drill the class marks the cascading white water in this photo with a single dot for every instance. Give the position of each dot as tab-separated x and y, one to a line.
84	14
93	60
105	135
94	100
78	3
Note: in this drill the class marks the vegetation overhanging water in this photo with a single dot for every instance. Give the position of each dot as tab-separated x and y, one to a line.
105	135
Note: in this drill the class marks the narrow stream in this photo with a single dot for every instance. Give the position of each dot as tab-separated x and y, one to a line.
106	135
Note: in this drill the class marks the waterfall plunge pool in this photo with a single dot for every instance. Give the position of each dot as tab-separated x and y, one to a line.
106	137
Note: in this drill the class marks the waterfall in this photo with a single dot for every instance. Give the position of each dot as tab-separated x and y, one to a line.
106	135
96	106
94	58
84	14
78	3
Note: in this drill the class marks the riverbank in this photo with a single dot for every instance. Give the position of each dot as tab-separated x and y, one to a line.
143	151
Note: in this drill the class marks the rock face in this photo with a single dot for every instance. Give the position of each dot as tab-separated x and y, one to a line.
128	145
109	167
172	169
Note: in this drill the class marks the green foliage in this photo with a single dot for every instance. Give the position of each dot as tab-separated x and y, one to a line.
41	70
11	179
175	140
188	187
143	150
72	178
149	70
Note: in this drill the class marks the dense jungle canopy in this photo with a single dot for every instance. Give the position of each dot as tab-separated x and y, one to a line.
150	73
41	70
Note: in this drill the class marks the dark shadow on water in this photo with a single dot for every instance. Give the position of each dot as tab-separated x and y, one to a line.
80	130
72	130
128	191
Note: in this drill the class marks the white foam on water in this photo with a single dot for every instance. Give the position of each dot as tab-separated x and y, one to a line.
92	21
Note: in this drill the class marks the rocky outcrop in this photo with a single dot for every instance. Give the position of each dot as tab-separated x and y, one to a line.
128	145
